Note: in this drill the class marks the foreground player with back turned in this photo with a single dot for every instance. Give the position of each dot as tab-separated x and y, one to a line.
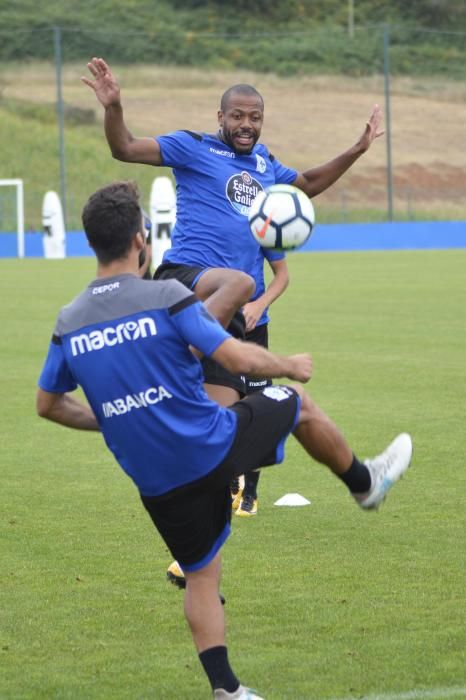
127	342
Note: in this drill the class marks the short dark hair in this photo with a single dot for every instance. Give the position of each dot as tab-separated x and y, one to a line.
111	218
240	89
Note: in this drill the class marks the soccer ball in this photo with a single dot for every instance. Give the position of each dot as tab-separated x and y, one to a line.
281	217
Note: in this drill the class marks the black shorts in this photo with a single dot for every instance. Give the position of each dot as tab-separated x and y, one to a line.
186	274
213	372
194	520
260	336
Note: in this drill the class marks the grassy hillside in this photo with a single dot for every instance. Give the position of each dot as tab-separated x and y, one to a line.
307	121
319	70
31	153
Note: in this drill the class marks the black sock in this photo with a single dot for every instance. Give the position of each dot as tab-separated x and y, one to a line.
218	670
357	478
251	479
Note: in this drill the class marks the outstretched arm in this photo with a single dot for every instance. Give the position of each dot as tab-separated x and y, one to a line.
250	359
66	410
316	180
123	145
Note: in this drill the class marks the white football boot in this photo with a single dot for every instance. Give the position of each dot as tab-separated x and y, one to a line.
385	470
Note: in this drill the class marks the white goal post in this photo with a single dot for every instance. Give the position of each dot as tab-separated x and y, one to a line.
14	182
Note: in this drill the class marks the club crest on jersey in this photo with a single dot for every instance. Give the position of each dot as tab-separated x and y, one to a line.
260	164
241	189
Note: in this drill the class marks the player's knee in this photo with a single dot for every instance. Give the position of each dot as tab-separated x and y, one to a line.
308	407
237	285
244	287
207	577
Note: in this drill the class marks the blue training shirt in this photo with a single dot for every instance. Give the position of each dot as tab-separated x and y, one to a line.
125	342
215	188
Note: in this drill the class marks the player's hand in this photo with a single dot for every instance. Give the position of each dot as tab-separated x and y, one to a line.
372	130
301	367
252	311
104	84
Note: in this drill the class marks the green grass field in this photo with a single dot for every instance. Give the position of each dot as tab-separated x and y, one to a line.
324	601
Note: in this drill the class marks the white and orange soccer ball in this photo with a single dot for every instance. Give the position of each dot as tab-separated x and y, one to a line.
281	217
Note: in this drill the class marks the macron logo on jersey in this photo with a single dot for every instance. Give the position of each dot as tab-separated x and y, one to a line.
112	335
228	154
127	403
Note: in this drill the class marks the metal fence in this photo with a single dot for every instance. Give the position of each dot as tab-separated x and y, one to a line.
52	137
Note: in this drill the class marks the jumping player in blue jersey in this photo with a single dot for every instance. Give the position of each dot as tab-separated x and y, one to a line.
217	177
129	343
